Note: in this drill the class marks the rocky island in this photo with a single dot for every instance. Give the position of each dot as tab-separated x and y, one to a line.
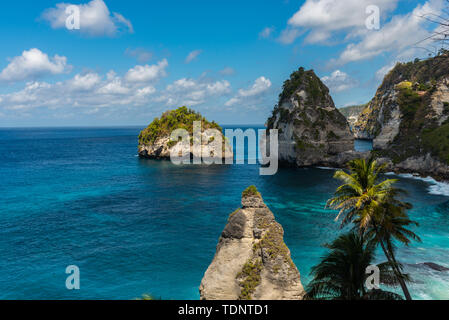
155	143
252	261
408	118
312	132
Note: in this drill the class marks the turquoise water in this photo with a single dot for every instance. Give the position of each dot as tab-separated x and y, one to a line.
82	197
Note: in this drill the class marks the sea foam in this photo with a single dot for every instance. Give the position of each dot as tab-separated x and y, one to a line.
435	187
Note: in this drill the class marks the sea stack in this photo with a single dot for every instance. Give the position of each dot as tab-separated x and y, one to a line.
154	141
311	129
252	262
408	118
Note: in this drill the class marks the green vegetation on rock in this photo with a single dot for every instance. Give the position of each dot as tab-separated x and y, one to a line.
352	110
412	85
273	244
251	191
437	142
315	89
181	118
251	278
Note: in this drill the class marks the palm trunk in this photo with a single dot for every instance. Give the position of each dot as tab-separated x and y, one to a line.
396	270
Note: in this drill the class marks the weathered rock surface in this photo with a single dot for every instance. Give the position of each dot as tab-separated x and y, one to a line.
311	130
435	266
352	113
161	148
252	260
209	143
408	118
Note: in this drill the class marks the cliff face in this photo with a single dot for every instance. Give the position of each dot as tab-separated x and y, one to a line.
311	130
154	141
352	113
252	261
408	117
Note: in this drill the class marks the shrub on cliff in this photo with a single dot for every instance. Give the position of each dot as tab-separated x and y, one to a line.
181	118
251	191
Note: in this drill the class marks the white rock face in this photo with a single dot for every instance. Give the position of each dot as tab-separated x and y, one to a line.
161	148
311	129
408	116
252	260
390	128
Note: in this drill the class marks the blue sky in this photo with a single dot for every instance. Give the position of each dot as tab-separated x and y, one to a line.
131	60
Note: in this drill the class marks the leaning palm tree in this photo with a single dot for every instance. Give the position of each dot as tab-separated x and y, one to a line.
341	275
373	206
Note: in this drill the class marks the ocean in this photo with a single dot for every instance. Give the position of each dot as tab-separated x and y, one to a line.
81	196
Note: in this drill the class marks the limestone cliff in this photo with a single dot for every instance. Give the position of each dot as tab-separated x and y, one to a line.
252	260
409	117
352	113
154	141
311	130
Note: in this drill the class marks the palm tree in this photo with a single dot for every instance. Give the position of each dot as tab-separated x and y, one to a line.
375	210
341	275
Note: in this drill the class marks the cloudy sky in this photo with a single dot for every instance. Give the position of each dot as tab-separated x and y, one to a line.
131	60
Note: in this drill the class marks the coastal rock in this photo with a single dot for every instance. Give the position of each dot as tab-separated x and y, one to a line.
252	261
435	266
311	130
352	114
408	119
154	141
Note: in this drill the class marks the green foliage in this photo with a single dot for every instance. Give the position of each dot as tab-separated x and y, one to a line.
437	141
251	278
292	84
251	191
409	100
332	136
341	274
285	115
313	86
373	207
273	244
181	118
419	71
302	145
352	110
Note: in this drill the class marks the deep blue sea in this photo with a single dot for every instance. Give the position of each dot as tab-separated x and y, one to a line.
81	196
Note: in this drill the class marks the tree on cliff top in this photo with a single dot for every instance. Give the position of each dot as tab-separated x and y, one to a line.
181	118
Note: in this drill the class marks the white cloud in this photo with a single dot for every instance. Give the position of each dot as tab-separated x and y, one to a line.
289	35
147	73
266	32
321	18
396	36
191	92
33	64
339	81
140	54
84	82
89	90
193	55
260	86
95	19
228	71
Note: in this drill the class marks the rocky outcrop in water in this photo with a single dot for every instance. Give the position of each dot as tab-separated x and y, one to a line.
311	130
252	261
409	118
154	141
